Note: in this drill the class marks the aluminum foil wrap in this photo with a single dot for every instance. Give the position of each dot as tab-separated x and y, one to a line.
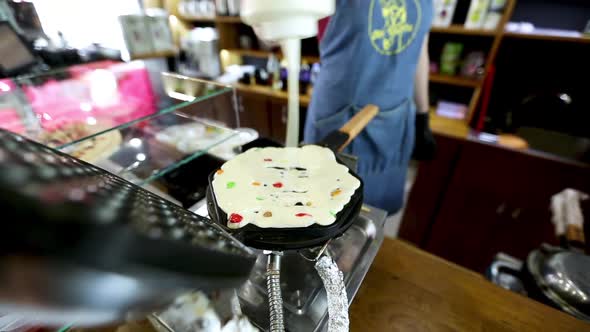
333	280
200	312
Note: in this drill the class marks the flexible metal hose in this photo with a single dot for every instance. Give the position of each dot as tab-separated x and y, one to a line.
273	285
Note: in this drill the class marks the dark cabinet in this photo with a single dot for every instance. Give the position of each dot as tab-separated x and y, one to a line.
254	113
484	199
278	120
267	114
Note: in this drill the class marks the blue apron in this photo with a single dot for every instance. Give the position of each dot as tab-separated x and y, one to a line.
369	55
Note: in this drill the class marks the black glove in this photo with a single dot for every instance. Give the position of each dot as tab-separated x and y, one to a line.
425	145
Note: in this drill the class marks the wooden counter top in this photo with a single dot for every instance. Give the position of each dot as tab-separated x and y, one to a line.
449	127
304	100
456	128
407	289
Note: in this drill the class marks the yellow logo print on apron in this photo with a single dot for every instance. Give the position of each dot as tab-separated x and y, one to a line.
398	29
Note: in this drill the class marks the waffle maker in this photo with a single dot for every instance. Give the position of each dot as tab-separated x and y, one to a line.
82	245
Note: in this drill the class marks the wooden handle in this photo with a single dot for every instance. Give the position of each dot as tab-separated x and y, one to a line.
575	236
358	122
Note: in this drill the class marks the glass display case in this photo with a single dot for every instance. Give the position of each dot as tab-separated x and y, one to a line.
143	124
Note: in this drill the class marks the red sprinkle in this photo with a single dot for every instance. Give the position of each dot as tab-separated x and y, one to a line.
303	215
277	185
235	218
267	159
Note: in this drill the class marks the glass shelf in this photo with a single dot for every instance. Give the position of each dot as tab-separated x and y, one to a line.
132	120
67	106
151	148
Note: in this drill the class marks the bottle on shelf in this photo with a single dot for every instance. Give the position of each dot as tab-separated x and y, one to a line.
284	78
221	7
315	74
197	8
233	7
304	77
261	76
273	67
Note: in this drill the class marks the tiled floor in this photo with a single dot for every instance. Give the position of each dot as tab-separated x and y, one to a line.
392	223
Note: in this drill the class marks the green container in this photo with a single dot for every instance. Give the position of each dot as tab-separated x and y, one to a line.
450	58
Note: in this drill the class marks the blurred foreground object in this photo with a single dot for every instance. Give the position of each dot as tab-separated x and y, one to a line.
512	141
90	247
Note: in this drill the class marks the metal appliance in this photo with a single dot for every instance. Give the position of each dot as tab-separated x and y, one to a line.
305	302
274	241
201	50
304	296
556	276
83	245
550	275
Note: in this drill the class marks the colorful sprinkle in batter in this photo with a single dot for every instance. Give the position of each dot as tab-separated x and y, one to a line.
336	192
219	172
235	218
296	187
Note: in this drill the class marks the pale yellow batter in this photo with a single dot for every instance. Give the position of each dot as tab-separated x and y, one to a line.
283	187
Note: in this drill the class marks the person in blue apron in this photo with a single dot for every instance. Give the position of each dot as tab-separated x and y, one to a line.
376	52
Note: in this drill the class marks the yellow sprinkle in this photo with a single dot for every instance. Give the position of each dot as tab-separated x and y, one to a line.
336	192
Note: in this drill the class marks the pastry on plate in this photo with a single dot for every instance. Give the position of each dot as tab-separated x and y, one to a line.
192	137
91	149
97	148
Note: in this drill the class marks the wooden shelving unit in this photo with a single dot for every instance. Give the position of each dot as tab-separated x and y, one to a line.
455	80
265	54
456	29
153	55
228	19
496	37
252	53
268	92
449	127
218	19
229	36
542	37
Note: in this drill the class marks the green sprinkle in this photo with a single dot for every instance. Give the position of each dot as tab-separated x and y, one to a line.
231	184
332	214
259	198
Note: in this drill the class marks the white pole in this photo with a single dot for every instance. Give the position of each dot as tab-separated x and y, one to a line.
292	50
